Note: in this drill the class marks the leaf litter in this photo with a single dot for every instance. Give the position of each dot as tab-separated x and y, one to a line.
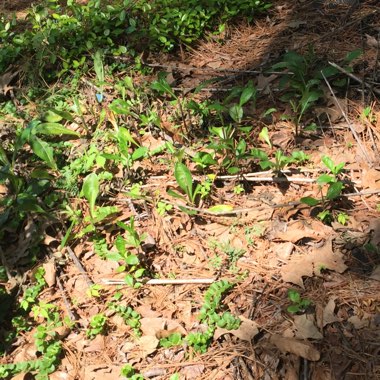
275	247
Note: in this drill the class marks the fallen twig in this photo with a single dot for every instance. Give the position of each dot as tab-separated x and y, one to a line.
79	266
106	281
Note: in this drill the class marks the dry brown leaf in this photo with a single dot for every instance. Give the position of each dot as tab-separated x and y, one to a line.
59	375
96	345
50	272
329	315
147	345
370	179
247	330
193	371
305	327
311	264
101	372
300	348
358	323
297	231
376	274
158	327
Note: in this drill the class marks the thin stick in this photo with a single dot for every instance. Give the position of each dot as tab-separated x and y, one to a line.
348	122
355	78
106	281
79	266
65	300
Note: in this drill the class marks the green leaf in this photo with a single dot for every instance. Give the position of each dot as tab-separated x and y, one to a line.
308	98
294	296
328	163
184	178
98	66
140	152
247	94
264	135
90	190
334	190
44	151
236	113
353	55
310	201
120	107
174	194
293	309
325	178
132	260
221	208
54	129
120	244
104	212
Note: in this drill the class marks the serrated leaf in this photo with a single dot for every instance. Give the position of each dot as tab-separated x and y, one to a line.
54	129
310	201
334	190
90	190
44	151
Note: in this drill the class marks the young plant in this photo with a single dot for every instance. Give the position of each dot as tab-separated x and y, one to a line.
130	316
129	262
192	190
334	186
98	325
210	315
299	304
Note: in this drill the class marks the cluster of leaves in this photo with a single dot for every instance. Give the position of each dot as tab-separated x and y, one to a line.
46	341
210	315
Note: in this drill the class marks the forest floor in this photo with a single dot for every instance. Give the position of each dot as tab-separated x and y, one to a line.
306	290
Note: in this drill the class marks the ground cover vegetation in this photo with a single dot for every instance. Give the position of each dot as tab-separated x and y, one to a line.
168	214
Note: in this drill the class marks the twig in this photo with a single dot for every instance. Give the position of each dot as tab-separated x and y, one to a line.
79	266
106	281
348	122
65	300
355	78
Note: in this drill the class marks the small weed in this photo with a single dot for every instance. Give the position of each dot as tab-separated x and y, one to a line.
172	340
299	305
130	316
98	325
129	373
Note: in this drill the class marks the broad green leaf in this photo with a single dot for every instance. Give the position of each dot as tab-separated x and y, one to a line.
187	211
310	201
120	107
138	273
334	190
3	157
98	66
294	296
129	280
264	135
104	212
54	129
40	173
293	309
236	113
324	178
247	94
140	152
328	163
63	114
174	194
28	203
221	208
90	190
132	260
44	151
308	98
233	170
353	55
183	177
52	117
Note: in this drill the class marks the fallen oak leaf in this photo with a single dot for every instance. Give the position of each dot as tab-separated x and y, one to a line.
247	330
297	347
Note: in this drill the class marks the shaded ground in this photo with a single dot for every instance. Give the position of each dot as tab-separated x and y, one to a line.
272	245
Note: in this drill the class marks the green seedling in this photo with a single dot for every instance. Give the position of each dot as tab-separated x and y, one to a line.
98	325
299	305
172	340
130	316
129	262
129	373
192	190
334	188
210	315
163	207
342	218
